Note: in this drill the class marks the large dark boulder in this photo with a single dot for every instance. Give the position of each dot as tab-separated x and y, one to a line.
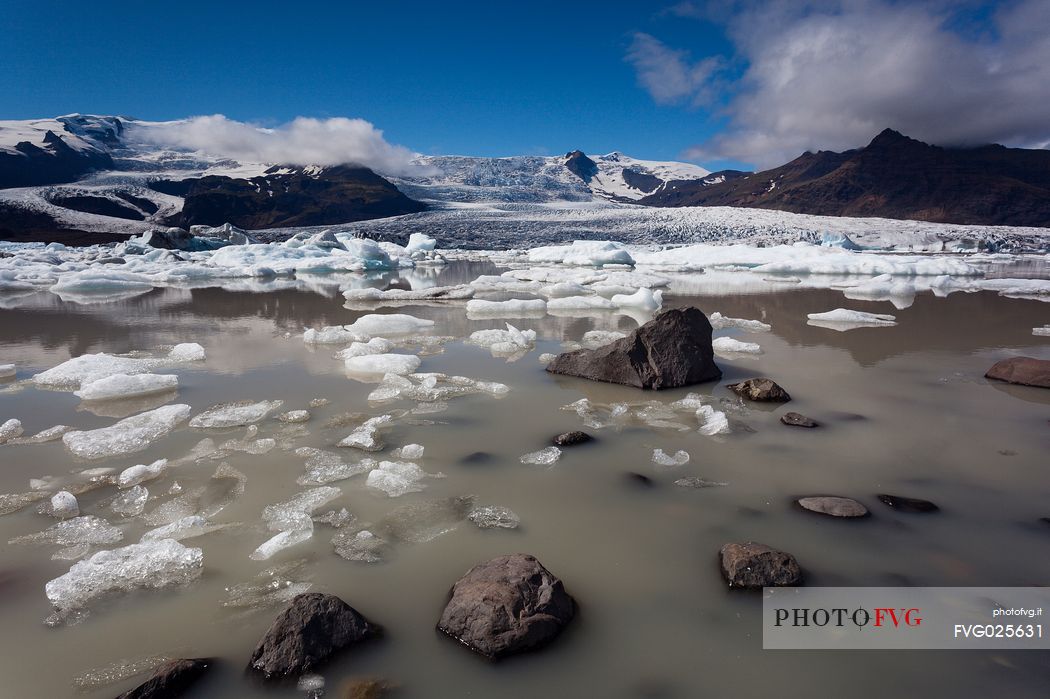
751	565
761	389
1026	371
507	605
170	680
673	349
311	630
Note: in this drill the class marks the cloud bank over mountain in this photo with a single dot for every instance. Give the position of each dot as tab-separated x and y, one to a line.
830	74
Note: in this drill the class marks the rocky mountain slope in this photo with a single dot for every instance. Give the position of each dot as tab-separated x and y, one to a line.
892	177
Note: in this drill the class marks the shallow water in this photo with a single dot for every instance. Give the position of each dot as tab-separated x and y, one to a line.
904	410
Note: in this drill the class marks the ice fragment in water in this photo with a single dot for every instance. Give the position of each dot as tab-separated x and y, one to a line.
7	371
10	429
679	458
367	435
119	386
547	358
288	515
294	416
326	467
695	482
272	587
712	421
420	522
12	502
410	452
185	528
729	345
842	319
494	517
363	546
504	342
377	345
86	529
644	299
335	518
187	352
48	435
64	505
130	502
377	365
396	478
154	564
721	322
514	307
544	457
73	373
234	414
141	473
319	402
283	540
385	324
130	435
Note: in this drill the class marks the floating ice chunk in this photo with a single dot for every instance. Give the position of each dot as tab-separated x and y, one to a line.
13	502
185	528
504	342
313	685
86	529
128	436
43	436
118	386
386	324
729	345
420	242
331	335
272	587
93	281
10	430
679	458
235	414
712	421
64	505
283	540
288	515
154	564
884	287
594	253
327	467
564	289
494	517
547	358
511	308
460	292
843	319
367	435
226	485
1043	331
644	299
295	416
7	371
396	478
363	546
543	457
432	387
377	345
133	475
89	367
130	502
335	518
695	482
576	303
319	402
376	365
410	452
187	352
721	322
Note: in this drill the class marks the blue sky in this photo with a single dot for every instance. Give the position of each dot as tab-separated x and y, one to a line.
738	82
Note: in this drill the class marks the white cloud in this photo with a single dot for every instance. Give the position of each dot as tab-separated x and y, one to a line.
304	141
832	73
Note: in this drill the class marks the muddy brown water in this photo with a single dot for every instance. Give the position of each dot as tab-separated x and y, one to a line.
904	410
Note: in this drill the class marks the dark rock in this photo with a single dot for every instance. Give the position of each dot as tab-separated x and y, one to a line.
1026	371
639	479
570	439
833	506
580	165
798	420
761	389
111	261
750	565
170	680
671	350
507	605
903	504
476	457
311	630
368	688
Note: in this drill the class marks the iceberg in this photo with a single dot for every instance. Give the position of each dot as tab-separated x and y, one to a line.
130	435
376	365
843	319
721	322
511	308
134	475
118	386
234	414
729	345
644	299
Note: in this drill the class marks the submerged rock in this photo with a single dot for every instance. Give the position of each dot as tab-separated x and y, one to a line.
366	688
751	565
1026	371
507	605
798	420
760	389
833	506
170	680
305	635
673	349
903	504
570	439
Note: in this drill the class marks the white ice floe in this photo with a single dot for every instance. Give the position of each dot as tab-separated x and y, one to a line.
494	517
376	365
327	467
643	299
234	414
331	335
459	292
712	422
721	322
581	303
679	458
64	505
885	287
85	529
843	319
388	324
118	386
731	346
185	528
366	436
7	371
1043	331
292	520
504	342
595	253
295	416
420	242
511	308
133	475
46	435
187	352
410	452
377	345
543	457
75	372
10	429
127	436
396	478
547	358
154	564
130	502
431	387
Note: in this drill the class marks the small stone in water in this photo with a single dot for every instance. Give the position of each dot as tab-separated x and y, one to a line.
494	517
569	439
903	504
798	420
834	506
543	457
